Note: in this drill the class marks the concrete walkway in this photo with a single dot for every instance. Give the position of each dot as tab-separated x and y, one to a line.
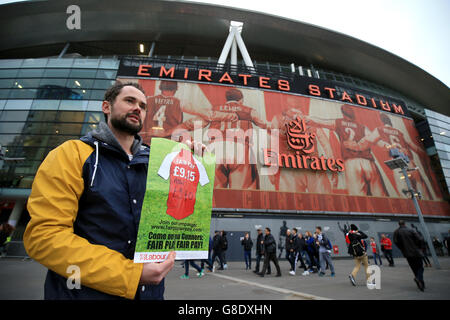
24	279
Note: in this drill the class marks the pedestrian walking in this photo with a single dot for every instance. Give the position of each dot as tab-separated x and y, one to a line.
224	248
303	254
195	266
296	255
260	252
289	247
386	247
247	243
208	261
410	242
438	246
354	239
311	250
447	242
424	248
324	252
217	250
375	251
270	253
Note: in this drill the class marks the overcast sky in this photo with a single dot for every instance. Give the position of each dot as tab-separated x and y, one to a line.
416	30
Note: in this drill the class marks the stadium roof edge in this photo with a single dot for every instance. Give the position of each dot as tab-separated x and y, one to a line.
204	28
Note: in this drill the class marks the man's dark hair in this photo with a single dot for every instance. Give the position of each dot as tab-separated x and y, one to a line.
268	229
401	223
112	93
353	227
320	228
295	229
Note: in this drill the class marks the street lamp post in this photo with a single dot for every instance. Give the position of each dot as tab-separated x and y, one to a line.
401	161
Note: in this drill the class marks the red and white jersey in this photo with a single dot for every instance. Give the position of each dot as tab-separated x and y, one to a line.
163	114
185	173
243	123
394	138
351	131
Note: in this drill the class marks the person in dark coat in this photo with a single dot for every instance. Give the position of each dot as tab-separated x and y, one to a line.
260	251
247	243
223	248
289	247
217	249
355	240
270	253
410	243
296	253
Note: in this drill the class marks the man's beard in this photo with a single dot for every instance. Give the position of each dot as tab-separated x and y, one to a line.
122	124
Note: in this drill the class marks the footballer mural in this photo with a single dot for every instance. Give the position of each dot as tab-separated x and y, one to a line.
328	156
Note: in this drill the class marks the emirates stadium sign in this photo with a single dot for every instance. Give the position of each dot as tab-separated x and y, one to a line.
291	83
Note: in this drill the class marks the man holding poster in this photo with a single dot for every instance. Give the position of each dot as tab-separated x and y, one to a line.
85	207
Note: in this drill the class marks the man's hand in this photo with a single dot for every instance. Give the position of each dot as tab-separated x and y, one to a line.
198	147
153	273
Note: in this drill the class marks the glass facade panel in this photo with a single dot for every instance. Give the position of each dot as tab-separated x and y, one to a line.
106	74
34	63
13	116
4	93
70	116
27	83
30	73
56	73
10	63
97	94
6	83
80	83
103	84
82	73
45	104
60	63
18	105
23	93
75	105
54	82
8	73
86	63
109	63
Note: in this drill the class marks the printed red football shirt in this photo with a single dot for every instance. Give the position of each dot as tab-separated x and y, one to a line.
351	131
244	122
185	173
163	114
395	139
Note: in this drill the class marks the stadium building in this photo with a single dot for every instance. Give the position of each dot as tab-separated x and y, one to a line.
335	104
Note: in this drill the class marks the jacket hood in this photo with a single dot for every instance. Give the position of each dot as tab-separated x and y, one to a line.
103	133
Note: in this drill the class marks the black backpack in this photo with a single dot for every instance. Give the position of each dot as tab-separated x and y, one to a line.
356	248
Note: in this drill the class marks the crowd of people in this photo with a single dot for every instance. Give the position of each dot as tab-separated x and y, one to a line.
312	252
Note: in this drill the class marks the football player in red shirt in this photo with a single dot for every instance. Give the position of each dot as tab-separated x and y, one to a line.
389	137
232	141
361	174
230	133
291	180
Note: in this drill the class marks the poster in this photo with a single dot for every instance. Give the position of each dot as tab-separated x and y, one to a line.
176	212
